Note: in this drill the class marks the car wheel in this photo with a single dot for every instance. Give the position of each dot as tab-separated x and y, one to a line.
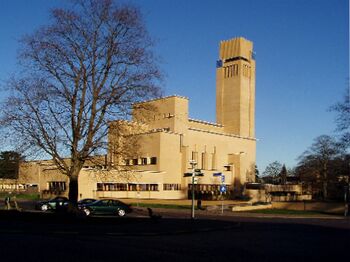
87	211
44	207
121	212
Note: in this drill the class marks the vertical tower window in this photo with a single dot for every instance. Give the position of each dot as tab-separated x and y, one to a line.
195	156
213	159
204	161
246	70
235	69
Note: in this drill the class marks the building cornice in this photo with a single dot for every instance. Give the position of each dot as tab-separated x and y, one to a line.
158	130
221	134
205	122
161	98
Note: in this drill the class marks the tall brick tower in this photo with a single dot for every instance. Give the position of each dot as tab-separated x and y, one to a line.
235	87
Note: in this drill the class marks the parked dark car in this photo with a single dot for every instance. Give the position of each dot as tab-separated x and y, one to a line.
107	206
52	204
85	201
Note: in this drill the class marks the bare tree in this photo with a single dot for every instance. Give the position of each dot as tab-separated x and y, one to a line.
83	70
315	162
9	164
271	172
343	118
283	175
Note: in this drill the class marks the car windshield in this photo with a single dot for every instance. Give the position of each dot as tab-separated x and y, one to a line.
86	201
58	199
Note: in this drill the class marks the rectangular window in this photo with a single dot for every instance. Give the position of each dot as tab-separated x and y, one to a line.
235	69
111	187
153	161
135	161
153	187
171	187
126	187
213	161
132	187
57	186
204	161
205	188
148	187
99	187
144	161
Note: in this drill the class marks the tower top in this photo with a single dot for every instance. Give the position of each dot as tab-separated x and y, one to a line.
236	47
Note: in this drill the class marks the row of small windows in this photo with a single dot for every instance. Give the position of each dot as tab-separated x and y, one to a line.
141	161
126	187
171	187
233	70
136	187
56	186
16	186
207	187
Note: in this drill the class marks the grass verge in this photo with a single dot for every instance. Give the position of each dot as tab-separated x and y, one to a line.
287	212
20	196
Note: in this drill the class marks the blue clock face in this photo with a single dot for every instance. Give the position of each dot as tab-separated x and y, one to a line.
218	63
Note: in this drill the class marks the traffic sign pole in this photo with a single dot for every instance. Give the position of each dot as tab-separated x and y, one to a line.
222	204
195	173
193	164
221	191
192	213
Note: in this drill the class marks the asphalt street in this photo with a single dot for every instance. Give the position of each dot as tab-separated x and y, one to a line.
36	236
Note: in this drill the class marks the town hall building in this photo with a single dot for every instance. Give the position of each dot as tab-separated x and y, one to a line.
163	140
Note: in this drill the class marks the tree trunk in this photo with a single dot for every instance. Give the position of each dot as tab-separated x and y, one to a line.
325	191
73	188
325	181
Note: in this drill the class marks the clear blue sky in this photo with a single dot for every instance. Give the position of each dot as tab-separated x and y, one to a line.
302	55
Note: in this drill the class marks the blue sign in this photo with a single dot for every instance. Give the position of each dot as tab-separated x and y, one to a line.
217	174
223	188
223	178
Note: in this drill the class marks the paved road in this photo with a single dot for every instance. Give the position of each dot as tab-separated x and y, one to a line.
48	237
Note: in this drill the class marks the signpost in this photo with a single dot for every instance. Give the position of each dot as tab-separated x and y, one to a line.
195	173
222	189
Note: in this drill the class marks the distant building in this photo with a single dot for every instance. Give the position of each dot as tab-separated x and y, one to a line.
166	139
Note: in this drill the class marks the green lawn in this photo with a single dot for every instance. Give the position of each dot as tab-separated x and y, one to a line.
20	196
285	212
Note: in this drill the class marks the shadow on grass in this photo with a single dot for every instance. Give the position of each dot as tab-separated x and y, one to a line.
291	212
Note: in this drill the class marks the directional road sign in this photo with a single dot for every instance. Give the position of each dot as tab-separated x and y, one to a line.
223	188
